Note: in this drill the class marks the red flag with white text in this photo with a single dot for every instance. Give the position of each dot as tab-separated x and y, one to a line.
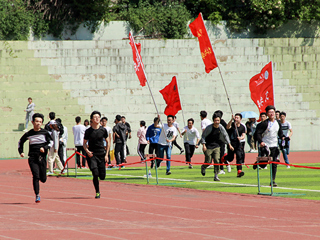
138	64
261	88
171	95
199	30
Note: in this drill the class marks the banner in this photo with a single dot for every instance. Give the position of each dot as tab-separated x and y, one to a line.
199	30
138	64
171	96
261	88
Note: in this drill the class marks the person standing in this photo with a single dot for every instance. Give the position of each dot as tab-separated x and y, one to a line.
204	121
237	134
267	136
53	152
39	143
103	123
61	141
191	139
78	134
210	140
120	132
176	125
142	141
29	113
97	155
128	135
251	126
287	132
152	137
221	143
263	117
167	136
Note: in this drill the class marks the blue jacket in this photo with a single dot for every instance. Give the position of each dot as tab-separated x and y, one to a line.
153	134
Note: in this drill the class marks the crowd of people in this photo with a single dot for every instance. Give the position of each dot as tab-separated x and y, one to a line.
94	141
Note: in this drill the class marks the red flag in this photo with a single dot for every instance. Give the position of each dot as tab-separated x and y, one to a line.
199	30
261	88
138	64
171	95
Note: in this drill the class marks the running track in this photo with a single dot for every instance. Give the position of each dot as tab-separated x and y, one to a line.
69	211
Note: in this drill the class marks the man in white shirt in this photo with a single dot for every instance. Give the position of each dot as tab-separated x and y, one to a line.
176	125
204	121
191	140
78	134
287	132
167	136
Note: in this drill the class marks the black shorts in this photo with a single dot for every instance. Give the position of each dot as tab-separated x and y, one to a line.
153	148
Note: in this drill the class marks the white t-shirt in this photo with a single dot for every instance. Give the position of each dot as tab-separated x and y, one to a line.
204	123
170	132
176	125
78	134
286	126
270	136
191	135
109	130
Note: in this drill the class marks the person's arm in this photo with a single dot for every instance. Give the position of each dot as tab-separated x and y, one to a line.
22	140
184	131
205	133
55	136
243	135
90	154
260	130
291	132
230	122
139	133
225	137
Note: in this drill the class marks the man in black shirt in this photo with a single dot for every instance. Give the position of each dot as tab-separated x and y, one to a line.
237	134
120	131
97	154
39	142
221	143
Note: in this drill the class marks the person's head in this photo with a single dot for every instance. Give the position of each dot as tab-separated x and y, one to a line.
216	119
278	114
95	117
37	120
263	116
86	122
29	99
52	115
170	120
203	115
104	121
58	120
190	123
174	118
78	119
271	111
123	119
118	119
283	116
237	117
252	119
54	125
156	119
142	124
219	112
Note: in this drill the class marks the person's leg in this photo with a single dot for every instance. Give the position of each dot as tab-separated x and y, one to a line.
187	152
35	170
249	141
60	153
27	121
176	144
77	155
207	160
160	154
240	155
123	152
216	157
192	149
58	161
51	160
274	152
84	159
95	174
285	155
141	148
117	150
168	154
102	167
222	150
43	168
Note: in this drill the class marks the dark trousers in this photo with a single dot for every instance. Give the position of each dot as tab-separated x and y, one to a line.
189	151
239	151
97	165
60	153
153	149
38	167
222	150
274	152
83	152
176	144
119	153
141	148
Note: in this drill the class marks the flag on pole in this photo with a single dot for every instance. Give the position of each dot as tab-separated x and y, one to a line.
138	64
171	95
199	30
261	88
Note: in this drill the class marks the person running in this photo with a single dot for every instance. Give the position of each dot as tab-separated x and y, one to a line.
96	153
29	112
167	136
176	125
204	121
210	140
39	142
191	139
142	141
152	137
237	134
78	134
103	122
287	132
267	136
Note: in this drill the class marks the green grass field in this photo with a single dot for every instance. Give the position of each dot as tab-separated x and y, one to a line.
294	182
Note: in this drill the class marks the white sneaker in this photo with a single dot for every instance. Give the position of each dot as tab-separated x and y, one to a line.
229	168
64	171
222	172
288	166
210	166
49	173
25	130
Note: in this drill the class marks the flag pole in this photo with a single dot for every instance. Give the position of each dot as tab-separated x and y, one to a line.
274	100
181	107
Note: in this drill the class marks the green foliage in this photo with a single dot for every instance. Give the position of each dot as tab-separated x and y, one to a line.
158	19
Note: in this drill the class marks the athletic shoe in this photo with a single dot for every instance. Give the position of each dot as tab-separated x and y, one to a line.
203	171
240	173
228	167
25	130
168	173
274	184
216	179
64	171
38	199
181	151
152	164
288	166
49	173
97	195
84	167
190	166
210	166
123	166
223	158
222	172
